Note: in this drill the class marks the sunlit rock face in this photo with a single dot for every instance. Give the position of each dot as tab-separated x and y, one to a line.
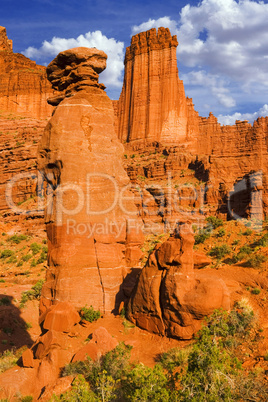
24	87
91	220
152	105
170	297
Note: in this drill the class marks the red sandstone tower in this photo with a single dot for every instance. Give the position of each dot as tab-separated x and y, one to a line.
152	104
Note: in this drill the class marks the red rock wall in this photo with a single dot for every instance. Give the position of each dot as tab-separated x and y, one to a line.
18	149
24	87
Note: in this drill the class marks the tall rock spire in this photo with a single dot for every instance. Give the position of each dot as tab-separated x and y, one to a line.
152	104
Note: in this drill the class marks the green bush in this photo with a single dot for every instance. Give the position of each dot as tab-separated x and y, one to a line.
89	314
8	359
12	259
214	222
247	232
35	247
219	251
263	241
33	294
5	301
17	238
220	233
256	260
245	249
26	257
33	263
43	257
6	253
80	392
202	236
146	384
27	398
256	291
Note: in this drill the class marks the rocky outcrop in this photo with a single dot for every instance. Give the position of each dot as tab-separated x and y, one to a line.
92	226
170	298
237	166
24	87
152	105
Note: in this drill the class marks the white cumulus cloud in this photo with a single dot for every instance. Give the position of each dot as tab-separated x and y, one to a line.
230	119
228	37
212	82
151	23
225	45
111	77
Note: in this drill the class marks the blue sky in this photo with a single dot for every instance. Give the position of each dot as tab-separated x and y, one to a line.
222	53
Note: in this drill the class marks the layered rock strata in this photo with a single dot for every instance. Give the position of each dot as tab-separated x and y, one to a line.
24	87
18	174
170	298
152	105
92	226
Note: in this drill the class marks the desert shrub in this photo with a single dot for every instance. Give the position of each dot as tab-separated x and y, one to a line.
247	232
236	242
212	369
202	236
106	375
5	301
89	314
33	263
263	241
214	221
146	384
6	253
80	392
43	256
33	294
2	281
219	251
17	238
256	291
256	260
8	359
27	398
220	233
12	259
26	257
35	248
245	249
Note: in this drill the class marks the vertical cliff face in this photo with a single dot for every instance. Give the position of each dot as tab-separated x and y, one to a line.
24	87
152	105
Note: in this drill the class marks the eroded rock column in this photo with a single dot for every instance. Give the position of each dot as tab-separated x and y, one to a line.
93	231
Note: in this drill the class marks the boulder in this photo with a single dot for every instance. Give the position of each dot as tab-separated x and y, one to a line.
61	317
170	298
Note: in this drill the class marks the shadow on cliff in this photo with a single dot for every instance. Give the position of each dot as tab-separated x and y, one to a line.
126	289
13	329
201	173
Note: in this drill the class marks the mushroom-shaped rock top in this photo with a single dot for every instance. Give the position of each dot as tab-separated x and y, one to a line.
74	69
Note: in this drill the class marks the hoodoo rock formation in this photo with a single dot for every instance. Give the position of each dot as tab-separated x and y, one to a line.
152	106
92	226
170	298
24	87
